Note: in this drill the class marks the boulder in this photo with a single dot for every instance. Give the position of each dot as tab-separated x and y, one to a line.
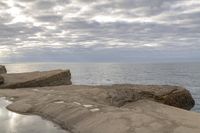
1	80
36	79
175	96
2	69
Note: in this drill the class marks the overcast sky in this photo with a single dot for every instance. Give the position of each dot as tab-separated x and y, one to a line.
99	30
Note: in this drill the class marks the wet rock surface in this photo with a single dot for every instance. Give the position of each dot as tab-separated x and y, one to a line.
12	122
36	79
2	69
109	109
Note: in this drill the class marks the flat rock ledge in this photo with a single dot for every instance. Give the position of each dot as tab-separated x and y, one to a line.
2	69
109	109
36	79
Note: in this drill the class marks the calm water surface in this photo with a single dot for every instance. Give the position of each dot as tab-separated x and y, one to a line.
183	74
11	122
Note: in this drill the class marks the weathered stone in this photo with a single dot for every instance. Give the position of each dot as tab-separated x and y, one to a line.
90	109
2	69
171	95
36	79
1	80
180	98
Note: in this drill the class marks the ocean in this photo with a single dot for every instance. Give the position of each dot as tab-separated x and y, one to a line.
182	74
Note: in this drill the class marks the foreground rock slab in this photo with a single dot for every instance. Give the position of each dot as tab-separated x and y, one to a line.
2	69
108	109
36	79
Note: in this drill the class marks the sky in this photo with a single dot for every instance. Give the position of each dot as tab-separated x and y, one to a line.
99	30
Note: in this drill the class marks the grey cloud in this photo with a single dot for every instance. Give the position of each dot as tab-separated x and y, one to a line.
144	7
44	5
49	18
76	28
28	1
49	4
62	2
9	34
3	6
5	18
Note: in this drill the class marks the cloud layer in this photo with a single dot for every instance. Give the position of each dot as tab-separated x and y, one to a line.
88	27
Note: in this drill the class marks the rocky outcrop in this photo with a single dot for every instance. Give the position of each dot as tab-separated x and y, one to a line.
175	96
109	109
1	80
2	69
36	79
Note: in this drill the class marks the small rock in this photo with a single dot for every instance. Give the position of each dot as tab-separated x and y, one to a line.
2	69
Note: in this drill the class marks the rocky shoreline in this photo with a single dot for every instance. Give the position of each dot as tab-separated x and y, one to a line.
101	109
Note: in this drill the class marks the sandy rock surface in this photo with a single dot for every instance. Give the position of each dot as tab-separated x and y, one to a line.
36	79
109	109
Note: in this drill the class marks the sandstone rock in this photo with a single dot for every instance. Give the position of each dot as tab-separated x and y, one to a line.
108	109
175	96
179	97
2	69
1	80
36	79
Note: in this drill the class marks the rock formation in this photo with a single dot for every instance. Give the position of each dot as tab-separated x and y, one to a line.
109	109
2	69
176	96
36	79
100	109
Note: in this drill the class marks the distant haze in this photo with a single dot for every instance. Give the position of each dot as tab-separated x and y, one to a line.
99	30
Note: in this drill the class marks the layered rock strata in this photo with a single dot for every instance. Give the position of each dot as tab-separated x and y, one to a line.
36	79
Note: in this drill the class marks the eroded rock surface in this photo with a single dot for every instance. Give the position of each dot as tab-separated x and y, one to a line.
36	79
171	95
108	109
2	69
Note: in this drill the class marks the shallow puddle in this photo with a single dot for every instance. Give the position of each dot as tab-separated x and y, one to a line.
11	122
